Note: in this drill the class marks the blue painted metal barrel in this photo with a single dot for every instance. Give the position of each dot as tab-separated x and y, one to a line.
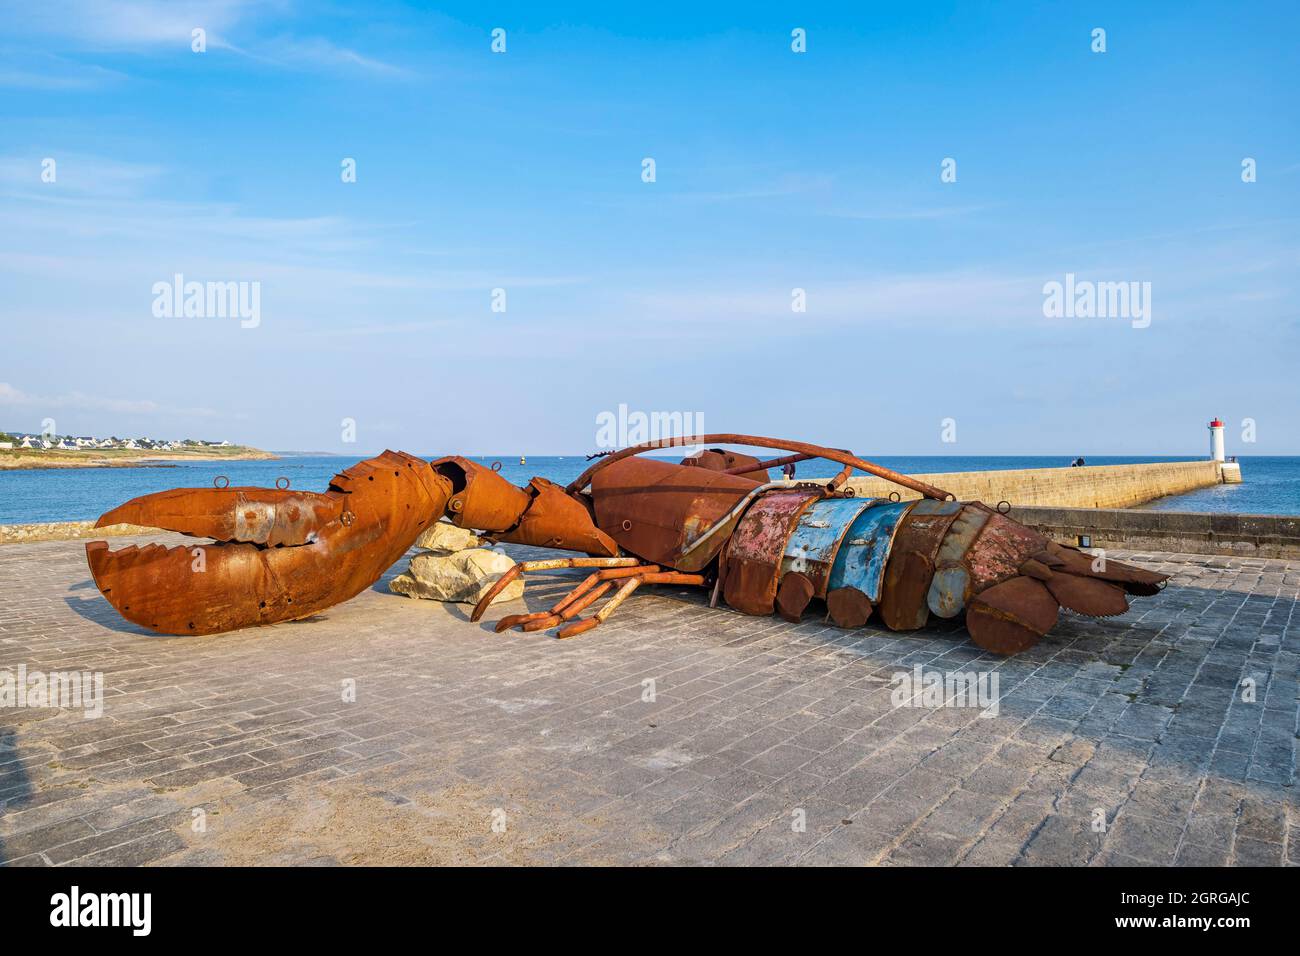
864	552
816	539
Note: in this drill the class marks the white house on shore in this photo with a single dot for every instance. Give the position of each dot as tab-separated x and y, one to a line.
32	442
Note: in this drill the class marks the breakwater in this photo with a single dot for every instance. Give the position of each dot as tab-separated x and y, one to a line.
1180	532
1090	486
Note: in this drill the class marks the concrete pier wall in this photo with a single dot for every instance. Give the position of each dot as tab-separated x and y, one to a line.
1099	486
1182	532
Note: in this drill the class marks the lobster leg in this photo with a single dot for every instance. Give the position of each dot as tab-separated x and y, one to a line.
573	603
622	594
572	611
550	564
510	620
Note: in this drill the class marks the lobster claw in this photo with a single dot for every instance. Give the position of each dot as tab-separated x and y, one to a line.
265	516
276	555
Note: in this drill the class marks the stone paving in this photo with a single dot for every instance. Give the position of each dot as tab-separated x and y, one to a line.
674	734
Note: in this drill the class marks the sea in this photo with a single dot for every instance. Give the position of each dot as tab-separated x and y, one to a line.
1270	485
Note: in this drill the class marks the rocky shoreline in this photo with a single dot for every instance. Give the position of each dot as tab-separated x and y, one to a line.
66	531
22	460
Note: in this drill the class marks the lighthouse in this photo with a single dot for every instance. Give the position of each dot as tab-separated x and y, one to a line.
1216	441
1229	471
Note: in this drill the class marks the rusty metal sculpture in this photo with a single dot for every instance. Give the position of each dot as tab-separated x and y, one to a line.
713	520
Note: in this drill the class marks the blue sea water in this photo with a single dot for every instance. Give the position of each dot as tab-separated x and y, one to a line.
1271	485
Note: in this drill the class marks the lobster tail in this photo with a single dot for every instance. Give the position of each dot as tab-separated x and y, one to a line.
910	560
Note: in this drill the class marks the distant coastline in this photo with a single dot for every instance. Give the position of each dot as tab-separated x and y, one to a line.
25	459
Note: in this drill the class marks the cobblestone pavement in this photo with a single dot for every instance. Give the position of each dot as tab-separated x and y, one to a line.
673	734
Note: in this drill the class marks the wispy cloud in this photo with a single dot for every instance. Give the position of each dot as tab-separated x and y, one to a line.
76	174
318	53
35	71
156	26
131	24
788	185
12	397
389	328
903	214
934	299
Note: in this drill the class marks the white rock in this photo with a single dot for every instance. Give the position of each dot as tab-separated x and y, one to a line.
463	577
445	538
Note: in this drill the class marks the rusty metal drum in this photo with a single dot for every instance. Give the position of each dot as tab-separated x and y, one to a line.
755	553
817	537
861	560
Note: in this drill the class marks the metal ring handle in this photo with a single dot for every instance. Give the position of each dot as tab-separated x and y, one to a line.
282	487
217	482
895	496
1007	509
496	466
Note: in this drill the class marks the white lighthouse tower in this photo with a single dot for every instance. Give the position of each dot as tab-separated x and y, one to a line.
1216	441
1229	471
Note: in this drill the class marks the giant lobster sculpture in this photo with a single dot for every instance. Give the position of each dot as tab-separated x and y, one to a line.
714	521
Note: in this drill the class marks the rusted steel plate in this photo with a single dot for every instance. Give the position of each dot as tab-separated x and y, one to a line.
949	587
816	539
848	607
907	582
1012	616
731	462
1134	580
544	515
553	519
481	499
998	552
864	552
654	509
792	596
269	516
1087	595
911	564
757	547
382	506
928	506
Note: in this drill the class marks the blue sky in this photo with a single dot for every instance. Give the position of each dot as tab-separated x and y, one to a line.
774	171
